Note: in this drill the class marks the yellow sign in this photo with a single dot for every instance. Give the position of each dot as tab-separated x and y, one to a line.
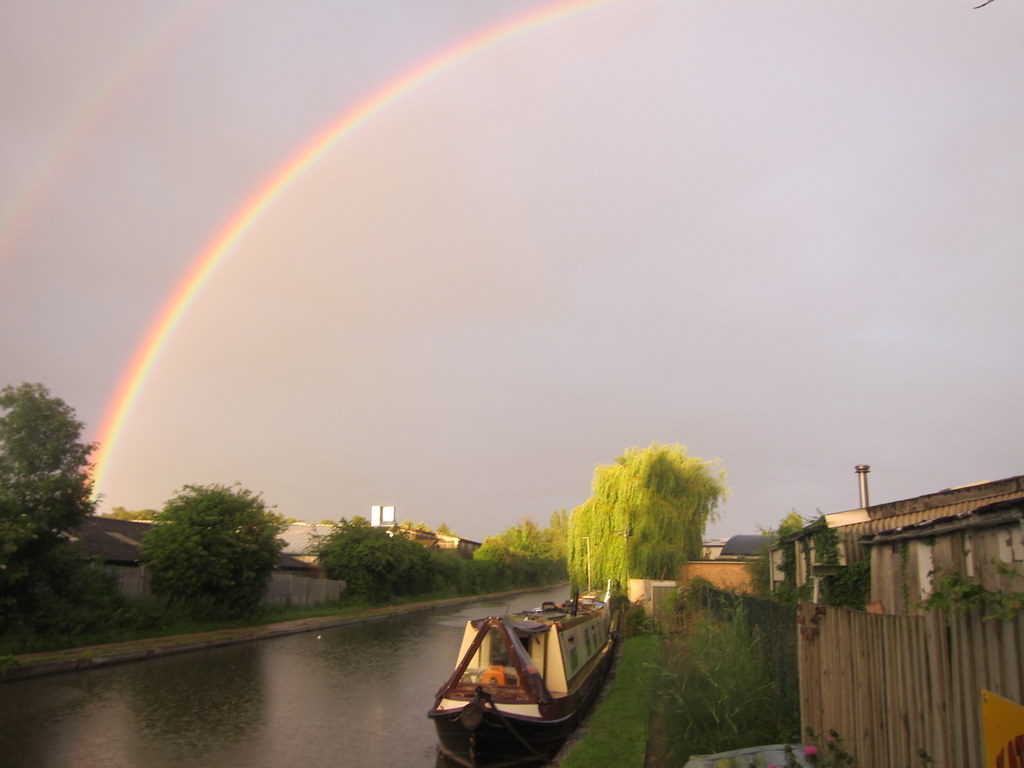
1004	731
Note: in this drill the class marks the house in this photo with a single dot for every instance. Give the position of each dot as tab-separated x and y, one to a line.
712	548
728	568
116	543
302	541
908	539
981	547
723	564
464	548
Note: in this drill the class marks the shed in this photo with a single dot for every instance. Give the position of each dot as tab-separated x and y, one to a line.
984	545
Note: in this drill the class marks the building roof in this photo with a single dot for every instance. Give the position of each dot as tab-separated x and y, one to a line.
959	501
301	538
117	542
950	501
745	545
997	513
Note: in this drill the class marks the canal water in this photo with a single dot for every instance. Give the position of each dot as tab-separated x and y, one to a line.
348	696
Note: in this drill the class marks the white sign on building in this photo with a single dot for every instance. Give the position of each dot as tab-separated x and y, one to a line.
382	516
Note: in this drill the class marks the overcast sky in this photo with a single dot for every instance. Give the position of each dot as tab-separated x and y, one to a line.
787	235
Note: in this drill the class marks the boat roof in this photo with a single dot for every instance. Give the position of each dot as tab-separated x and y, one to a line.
541	619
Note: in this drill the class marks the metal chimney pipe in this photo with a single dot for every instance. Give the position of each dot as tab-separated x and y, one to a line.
862	472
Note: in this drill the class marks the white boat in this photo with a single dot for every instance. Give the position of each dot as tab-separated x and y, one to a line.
522	683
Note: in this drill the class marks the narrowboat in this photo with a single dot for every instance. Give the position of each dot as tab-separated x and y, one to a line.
523	682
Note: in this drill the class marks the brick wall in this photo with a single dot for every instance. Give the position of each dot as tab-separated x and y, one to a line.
731	575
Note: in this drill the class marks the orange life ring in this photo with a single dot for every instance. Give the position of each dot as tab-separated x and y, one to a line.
494	675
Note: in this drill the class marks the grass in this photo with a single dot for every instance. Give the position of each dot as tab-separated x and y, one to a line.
714	691
161	626
618	731
165	626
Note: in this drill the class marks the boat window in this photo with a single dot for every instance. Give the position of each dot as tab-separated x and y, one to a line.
491	666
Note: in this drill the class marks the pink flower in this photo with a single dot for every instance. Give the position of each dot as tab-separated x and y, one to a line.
811	753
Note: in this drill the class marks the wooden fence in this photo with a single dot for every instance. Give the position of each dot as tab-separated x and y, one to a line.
894	685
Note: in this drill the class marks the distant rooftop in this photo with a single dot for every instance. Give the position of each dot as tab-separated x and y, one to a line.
300	538
745	545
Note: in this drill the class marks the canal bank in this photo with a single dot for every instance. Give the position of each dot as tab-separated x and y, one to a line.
73	659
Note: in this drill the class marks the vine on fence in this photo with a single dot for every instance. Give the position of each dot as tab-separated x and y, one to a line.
788	592
851	587
826	542
953	591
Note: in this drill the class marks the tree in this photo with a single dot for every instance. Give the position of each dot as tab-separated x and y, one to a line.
524	555
45	490
213	549
556	535
523	540
376	563
646	515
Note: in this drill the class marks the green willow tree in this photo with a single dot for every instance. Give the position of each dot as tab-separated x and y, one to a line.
646	516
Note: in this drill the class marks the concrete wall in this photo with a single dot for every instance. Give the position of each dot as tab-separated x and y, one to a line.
284	588
287	588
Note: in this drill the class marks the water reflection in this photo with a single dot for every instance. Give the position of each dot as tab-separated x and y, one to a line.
198	702
353	696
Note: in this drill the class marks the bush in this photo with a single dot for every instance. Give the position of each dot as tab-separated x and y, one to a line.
213	550
377	564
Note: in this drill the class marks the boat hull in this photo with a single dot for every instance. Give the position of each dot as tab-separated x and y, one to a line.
498	741
496	736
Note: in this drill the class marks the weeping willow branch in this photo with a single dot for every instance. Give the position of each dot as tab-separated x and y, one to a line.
646	515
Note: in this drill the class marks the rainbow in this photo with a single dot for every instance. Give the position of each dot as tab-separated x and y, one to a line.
279	182
88	117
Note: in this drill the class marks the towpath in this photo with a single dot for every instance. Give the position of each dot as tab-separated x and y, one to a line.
52	662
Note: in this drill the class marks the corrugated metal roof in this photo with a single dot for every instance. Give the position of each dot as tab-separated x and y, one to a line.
300	538
113	540
991	514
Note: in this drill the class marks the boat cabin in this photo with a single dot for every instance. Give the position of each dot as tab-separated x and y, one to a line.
531	657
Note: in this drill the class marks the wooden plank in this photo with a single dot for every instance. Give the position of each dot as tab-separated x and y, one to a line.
1013	662
860	734
961	682
938	654
915	703
893	688
841	654
926	711
918	701
891	685
977	669
881	742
